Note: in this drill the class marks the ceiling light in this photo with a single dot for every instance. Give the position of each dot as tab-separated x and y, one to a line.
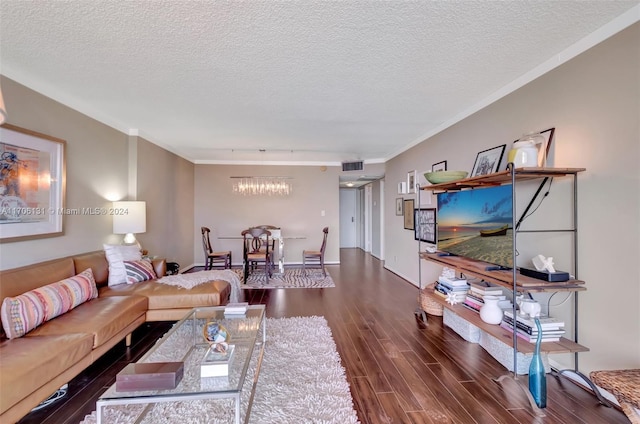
262	186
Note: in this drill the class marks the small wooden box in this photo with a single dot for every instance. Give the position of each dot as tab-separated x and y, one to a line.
150	376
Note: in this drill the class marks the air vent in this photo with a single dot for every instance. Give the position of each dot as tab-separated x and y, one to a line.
352	166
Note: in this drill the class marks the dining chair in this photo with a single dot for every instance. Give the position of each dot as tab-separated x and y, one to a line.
316	257
257	243
213	259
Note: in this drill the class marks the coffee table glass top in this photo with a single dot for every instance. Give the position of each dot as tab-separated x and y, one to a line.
185	343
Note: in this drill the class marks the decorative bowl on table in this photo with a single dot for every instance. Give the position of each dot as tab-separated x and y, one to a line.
439	177
217	336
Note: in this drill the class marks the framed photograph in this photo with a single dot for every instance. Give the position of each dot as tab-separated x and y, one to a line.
32	184
488	161
399	206
402	187
425	225
411	182
440	166
408	214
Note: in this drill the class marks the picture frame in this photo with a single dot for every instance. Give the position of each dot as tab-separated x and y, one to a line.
402	187
440	166
425	225
408	214
488	161
399	206
411	181
32	184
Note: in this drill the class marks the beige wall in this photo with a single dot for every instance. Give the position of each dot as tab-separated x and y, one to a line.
299	214
593	102
166	182
98	172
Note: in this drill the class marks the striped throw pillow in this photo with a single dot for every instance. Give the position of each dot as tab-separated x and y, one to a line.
23	313
138	271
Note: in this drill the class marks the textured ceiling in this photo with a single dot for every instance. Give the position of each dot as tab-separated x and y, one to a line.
308	81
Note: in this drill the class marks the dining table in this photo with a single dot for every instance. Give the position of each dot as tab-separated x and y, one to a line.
279	246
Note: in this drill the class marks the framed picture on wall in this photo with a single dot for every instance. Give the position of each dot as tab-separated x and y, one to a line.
425	225
411	181
32	182
488	161
440	166
399	206
408	214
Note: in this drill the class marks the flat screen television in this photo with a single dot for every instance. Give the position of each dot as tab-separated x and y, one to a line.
477	224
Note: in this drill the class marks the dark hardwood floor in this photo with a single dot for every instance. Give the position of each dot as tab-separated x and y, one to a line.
400	369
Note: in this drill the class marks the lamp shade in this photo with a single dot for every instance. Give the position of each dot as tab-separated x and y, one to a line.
130	217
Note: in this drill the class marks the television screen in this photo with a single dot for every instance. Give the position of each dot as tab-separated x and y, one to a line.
477	224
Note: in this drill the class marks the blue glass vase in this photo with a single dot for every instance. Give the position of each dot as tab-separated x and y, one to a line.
537	375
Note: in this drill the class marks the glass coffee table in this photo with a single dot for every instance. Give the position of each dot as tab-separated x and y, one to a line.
185	343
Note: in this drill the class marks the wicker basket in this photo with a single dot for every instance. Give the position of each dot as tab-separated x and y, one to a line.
428	304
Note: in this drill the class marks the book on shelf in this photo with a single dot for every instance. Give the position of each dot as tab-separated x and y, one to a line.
473	303
532	338
531	330
216	364
546	322
453	282
482	290
471	308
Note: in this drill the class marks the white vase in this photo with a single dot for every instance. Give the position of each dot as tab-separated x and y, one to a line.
490	312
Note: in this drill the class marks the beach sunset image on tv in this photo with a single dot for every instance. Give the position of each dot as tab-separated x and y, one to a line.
477	224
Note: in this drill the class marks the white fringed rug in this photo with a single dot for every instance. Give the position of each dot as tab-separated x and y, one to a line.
301	381
293	278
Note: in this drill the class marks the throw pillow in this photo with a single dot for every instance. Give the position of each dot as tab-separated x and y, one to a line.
138	271
25	312
116	255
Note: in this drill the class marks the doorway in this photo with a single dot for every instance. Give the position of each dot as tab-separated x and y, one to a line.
348	218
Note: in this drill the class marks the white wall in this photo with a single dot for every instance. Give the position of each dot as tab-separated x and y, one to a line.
593	102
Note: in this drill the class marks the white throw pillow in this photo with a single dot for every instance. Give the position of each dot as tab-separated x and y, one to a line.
116	255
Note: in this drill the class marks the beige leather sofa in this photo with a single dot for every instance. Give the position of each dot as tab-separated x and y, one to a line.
34	366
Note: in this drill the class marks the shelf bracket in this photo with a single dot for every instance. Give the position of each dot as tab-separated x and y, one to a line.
593	387
539	412
533	199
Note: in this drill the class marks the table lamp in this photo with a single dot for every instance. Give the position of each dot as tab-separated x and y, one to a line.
130	217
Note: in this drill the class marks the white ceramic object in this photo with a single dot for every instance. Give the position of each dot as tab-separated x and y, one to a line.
490	312
529	308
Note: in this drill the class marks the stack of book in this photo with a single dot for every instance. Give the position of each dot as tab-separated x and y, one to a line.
475	297
236	308
455	288
526	329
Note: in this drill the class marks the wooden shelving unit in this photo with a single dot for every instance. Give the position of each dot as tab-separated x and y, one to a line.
512	279
468	267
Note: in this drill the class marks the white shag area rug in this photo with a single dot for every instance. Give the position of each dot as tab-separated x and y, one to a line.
301	381
293	278
191	280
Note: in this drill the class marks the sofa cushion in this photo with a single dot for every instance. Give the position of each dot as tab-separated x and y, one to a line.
102	317
116	255
164	296
28	362
23	313
138	271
